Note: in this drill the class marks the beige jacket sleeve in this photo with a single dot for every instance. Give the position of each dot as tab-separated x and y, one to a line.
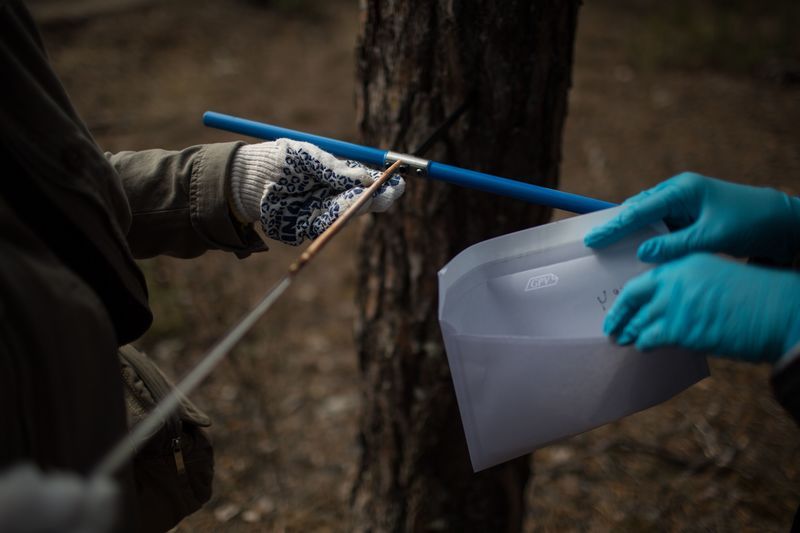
179	202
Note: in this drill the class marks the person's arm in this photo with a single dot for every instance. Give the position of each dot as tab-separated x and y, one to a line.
700	301
209	196
179	201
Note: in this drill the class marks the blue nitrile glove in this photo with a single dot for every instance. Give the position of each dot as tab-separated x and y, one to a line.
297	190
709	215
704	302
33	502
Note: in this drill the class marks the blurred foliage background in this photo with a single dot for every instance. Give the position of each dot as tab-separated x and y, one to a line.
737	37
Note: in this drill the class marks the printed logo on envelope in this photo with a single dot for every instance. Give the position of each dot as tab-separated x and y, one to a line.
540	282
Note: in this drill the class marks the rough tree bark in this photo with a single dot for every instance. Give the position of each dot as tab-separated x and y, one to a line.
419	60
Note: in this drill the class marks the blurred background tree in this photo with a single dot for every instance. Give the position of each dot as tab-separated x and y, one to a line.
418	61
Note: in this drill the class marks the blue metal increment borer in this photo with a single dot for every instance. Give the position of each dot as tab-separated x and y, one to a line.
439	171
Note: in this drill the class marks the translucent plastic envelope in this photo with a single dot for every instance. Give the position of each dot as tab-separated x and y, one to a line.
521	316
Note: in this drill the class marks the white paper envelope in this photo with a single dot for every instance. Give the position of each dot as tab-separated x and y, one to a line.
522	317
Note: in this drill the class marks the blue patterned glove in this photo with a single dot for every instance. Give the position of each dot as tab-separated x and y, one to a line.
704	302
709	215
297	190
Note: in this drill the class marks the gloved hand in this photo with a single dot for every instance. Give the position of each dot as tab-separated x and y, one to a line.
33	502
297	190
704	302
710	215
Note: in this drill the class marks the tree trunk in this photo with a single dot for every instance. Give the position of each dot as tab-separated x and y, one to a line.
419	60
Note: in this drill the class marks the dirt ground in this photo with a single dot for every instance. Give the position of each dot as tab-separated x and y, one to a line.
721	456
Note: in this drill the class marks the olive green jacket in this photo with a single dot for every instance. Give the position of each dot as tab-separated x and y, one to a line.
141	204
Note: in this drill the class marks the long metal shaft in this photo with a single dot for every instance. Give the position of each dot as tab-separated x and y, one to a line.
124	450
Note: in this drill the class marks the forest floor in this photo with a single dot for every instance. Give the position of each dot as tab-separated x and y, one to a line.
720	456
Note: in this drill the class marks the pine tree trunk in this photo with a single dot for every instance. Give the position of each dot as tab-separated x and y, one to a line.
417	61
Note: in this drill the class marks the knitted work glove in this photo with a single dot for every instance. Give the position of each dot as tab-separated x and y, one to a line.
298	190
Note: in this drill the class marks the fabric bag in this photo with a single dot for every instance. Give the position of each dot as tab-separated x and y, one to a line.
174	467
521	316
